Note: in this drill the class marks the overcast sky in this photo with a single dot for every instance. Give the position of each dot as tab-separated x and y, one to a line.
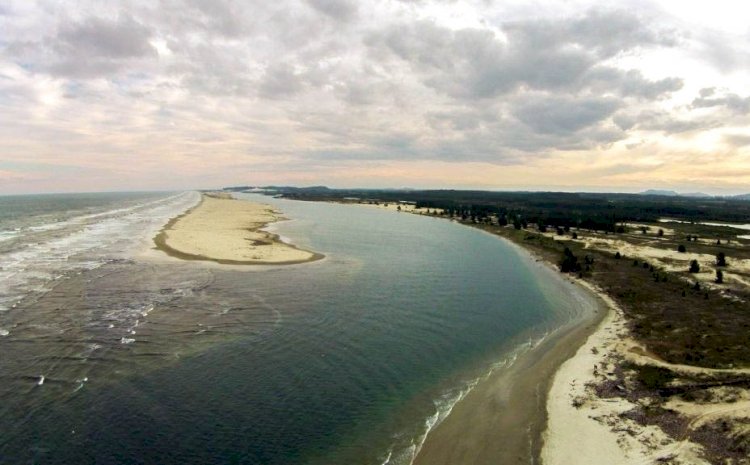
555	95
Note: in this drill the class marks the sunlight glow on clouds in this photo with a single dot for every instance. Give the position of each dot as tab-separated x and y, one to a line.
498	95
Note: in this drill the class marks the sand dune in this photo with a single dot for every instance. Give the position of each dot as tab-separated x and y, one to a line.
584	429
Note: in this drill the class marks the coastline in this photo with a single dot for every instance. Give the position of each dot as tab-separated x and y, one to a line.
228	231
567	421
575	412
502	402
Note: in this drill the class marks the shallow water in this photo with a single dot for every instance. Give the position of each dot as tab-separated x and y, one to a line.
347	360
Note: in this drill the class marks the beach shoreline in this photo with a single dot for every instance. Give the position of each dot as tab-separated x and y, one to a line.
567	422
586	429
564	421
228	231
514	396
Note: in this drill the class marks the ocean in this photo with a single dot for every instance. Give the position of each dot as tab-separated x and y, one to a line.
111	353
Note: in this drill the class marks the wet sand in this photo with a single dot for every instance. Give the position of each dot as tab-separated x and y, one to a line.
501	421
229	231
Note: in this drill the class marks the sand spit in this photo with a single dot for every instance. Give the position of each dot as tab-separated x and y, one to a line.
228	231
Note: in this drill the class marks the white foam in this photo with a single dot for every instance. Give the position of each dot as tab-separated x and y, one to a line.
9	234
98	237
81	382
41	380
4	332
126	340
449	399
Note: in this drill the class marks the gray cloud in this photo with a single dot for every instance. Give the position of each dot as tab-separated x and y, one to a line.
732	102
280	80
659	120
541	55
341	10
737	140
99	46
564	115
631	83
225	18
97	37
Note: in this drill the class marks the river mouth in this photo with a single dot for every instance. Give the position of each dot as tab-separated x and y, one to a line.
348	360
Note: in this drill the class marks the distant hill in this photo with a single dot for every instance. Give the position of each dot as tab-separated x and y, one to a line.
667	193
660	192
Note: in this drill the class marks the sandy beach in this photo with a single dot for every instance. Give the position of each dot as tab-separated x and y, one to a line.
550	390
484	426
587	430
229	231
502	419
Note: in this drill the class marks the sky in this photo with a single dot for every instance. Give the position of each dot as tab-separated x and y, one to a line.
502	95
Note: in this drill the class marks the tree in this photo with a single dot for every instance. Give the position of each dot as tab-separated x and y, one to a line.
618	256
721	259
694	266
575	235
719	277
569	262
681	248
660	233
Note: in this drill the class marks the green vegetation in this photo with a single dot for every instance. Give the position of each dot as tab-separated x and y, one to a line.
652	377
601	212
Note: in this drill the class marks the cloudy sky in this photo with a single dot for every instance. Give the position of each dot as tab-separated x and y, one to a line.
556	95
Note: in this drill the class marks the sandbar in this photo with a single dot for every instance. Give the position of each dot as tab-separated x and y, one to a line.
229	231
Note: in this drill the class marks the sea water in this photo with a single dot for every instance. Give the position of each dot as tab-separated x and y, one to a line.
109	355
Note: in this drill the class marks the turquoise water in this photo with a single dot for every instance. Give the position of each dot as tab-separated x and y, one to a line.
351	359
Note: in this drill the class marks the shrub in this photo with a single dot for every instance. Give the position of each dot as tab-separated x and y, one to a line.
653	377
